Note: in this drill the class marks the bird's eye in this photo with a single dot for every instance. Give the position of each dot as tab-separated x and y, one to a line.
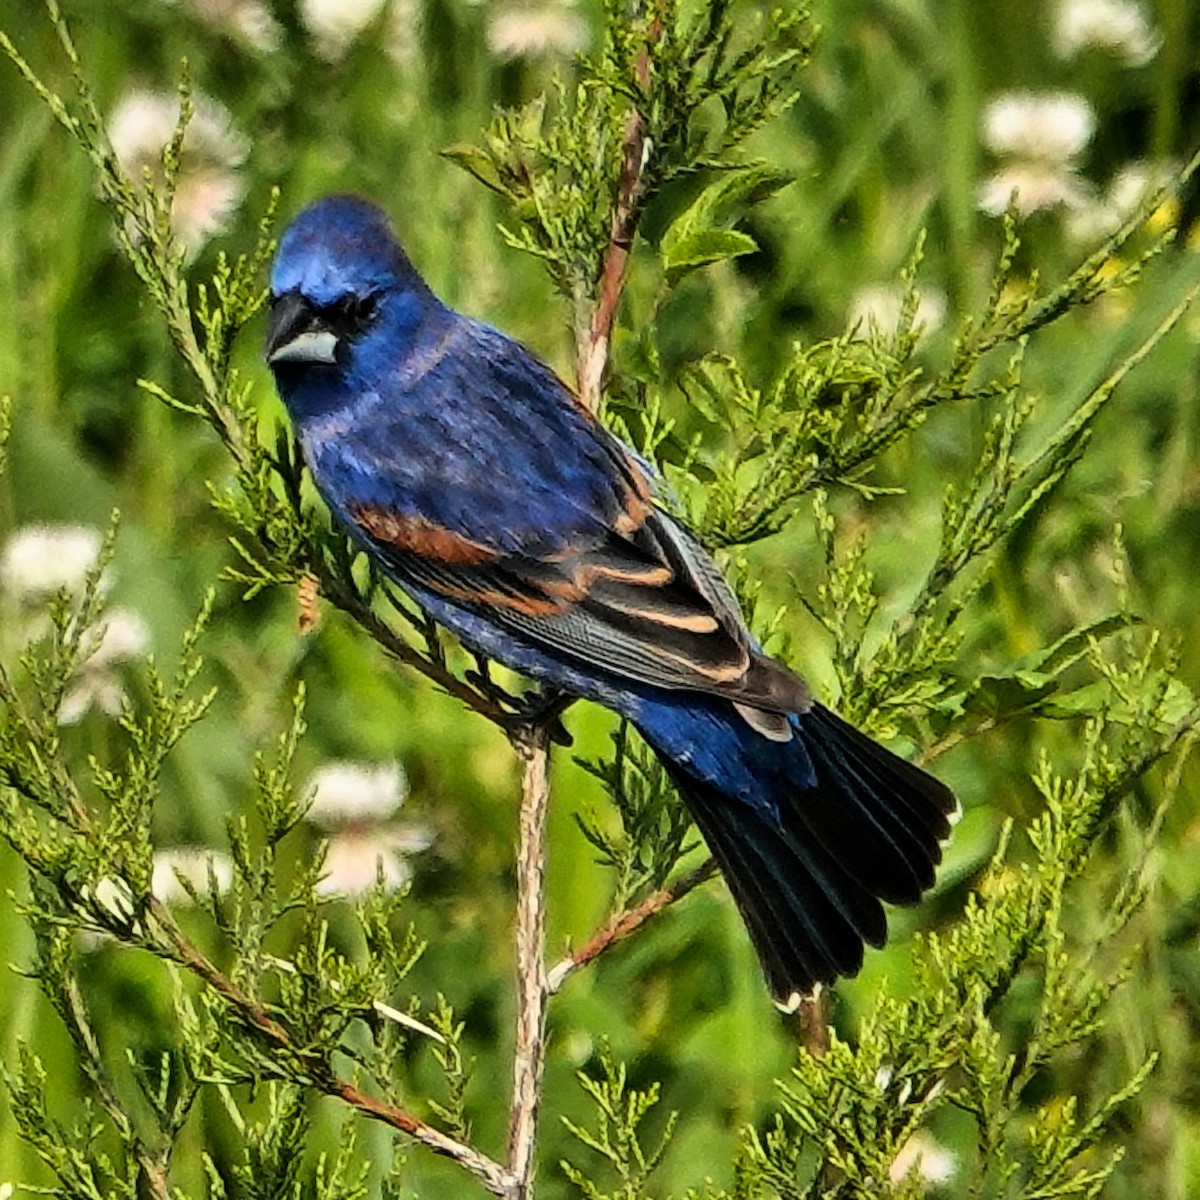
364	308
355	312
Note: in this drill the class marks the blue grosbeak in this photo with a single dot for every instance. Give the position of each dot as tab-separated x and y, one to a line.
477	482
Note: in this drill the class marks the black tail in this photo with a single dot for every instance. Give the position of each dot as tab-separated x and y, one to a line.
810	885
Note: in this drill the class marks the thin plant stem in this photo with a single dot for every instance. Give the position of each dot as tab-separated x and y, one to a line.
529	1053
595	337
625	923
315	1068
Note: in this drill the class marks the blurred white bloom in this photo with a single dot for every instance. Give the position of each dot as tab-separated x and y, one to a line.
1120	27
932	1162
40	559
122	637
356	859
532	30
349	793
403	41
6	1191
1037	187
248	20
114	897
334	24
880	304
1041	136
209	188
883	1077
1129	187
354	800
1054	127
199	867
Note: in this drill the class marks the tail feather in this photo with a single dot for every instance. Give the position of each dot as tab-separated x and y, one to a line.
812	835
869	810
781	945
806	916
930	804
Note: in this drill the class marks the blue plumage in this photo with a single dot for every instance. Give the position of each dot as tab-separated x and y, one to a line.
476	481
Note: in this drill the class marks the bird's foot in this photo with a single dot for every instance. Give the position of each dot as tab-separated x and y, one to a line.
540	706
543	706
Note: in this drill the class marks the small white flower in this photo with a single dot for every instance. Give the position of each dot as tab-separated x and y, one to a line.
334	24
6	1191
526	32
1035	187
356	859
930	1160
38	560
354	800
1050	127
199	867
121	638
1119	27
350	793
208	189
883	1078
248	20
881	304
1129	188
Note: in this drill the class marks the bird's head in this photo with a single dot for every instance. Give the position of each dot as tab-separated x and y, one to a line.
340	279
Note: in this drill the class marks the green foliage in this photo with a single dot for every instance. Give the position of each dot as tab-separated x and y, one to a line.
620	1111
847	1113
697	237
942	474
654	824
665	72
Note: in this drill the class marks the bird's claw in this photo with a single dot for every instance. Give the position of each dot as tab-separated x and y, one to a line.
542	707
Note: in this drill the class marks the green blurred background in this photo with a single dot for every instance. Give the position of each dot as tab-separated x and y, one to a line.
890	135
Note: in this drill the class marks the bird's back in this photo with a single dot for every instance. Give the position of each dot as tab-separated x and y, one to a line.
469	431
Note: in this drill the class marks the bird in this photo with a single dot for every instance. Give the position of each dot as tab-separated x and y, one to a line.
476	481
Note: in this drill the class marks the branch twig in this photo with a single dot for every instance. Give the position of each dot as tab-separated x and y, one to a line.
533	745
317	1069
74	1013
595	339
622	925
342	597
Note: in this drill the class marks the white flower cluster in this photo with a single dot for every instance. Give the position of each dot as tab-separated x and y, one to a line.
532	29
879	306
552	30
249	21
121	638
355	803
1131	185
179	871
334	25
179	875
927	1159
209	188
1039	138
40	560
1118	27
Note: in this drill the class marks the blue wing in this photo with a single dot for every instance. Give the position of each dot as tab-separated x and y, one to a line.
483	481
